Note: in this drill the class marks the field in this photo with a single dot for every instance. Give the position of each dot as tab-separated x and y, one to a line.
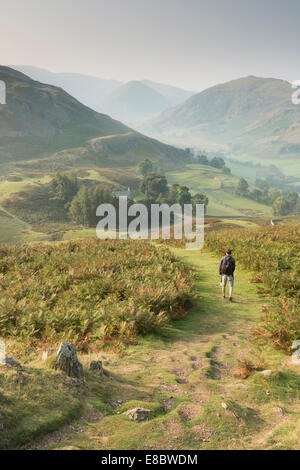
220	191
200	380
14	226
89	291
19	227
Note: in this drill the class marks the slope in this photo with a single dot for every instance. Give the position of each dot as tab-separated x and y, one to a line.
184	378
86	89
250	116
134	101
39	120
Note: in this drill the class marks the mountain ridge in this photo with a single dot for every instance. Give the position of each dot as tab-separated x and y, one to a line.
134	101
250	115
40	120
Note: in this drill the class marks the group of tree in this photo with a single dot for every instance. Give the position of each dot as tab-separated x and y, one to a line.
156	190
80	200
62	190
146	166
282	204
215	162
83	207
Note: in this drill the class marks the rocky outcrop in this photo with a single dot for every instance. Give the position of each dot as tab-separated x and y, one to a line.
138	414
97	367
67	361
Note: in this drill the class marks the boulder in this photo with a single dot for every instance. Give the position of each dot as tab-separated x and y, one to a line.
67	361
296	344
96	366
138	414
296	357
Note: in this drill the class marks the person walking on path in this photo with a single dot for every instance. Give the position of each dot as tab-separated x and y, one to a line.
226	270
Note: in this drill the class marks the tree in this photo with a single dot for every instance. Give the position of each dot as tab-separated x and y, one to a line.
145	167
84	205
256	195
281	206
173	193
184	195
226	170
154	185
275	194
200	198
202	159
217	162
81	208
242	188
292	200
63	188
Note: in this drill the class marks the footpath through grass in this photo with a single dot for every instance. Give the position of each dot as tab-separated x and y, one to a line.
185	379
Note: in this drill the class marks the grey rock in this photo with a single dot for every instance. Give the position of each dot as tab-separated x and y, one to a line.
296	344
67	361
296	357
96	366
116	404
76	382
280	411
138	414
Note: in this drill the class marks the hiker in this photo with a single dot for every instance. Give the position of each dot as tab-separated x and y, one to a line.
226	270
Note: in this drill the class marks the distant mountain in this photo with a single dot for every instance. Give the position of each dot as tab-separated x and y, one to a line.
134	101
40	120
86	89
92	91
173	94
250	116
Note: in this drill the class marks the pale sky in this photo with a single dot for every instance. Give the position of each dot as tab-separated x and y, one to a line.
188	43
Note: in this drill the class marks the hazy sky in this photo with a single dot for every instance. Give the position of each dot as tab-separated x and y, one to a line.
188	43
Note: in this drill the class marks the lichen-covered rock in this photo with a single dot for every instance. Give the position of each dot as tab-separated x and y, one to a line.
137	414
96	366
67	361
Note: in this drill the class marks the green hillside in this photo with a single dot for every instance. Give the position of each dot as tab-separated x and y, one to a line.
250	116
220	189
40	120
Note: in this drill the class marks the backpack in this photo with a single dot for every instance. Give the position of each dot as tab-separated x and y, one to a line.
227	266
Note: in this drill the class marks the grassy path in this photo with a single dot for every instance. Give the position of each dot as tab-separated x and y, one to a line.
185	379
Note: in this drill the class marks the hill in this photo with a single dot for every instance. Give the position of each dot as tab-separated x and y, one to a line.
220	189
134	101
91	90
205	383
40	120
173	94
86	89
250	116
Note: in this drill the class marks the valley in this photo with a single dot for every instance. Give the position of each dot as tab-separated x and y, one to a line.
147	319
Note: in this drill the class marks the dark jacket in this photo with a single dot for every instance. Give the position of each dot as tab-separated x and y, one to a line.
232	264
